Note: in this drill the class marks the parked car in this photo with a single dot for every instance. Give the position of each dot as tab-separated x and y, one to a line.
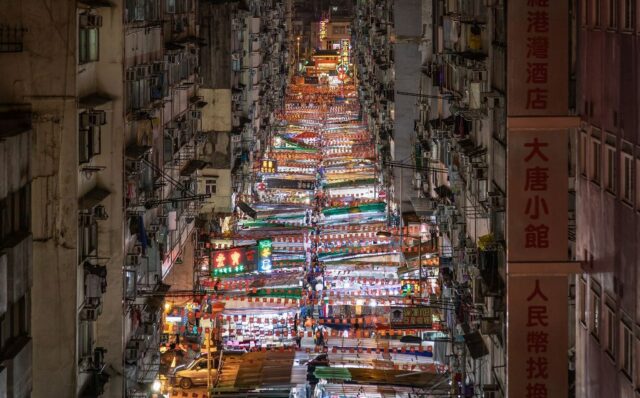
194	373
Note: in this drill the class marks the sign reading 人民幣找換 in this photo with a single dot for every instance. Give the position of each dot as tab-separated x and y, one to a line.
537	336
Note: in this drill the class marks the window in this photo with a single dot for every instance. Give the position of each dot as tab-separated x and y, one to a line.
210	186
626	179
89	144
596	12
595	160
584	144
88	45
629	14
171	6
610	324
88	237
610	168
141	10
612	14
595	315
15	213
583	12
582	301
85	340
626	354
89	37
89	139
339	30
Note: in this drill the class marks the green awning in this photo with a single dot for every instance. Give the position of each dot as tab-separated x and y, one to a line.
324	372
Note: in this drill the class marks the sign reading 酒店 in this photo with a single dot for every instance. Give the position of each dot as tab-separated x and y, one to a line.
538	57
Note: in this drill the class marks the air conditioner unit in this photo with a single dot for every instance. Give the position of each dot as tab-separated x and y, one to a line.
480	173
158	67
134	260
95	20
490	390
133	166
494	101
131	353
490	326
100	213
496	200
97	118
92	118
90	312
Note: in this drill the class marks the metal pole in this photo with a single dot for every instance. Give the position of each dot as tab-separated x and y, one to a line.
209	359
420	261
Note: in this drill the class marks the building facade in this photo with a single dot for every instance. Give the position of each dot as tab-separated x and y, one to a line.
73	269
607	191
118	129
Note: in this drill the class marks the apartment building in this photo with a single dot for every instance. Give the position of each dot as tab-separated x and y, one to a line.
162	130
465	129
16	261
64	178
110	90
244	68
434	79
608	199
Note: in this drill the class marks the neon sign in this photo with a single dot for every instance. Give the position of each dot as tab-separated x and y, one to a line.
234	261
264	253
323	29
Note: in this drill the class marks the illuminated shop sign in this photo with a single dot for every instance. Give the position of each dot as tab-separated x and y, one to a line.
345	46
323	29
233	261
264	255
268	166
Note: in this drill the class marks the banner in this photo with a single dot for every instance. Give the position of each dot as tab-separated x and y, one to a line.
537	336
537	192
538	63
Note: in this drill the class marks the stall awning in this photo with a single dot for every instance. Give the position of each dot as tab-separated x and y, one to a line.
94	100
92	198
191	167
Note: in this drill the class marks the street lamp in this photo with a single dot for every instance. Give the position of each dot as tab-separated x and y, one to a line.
387	234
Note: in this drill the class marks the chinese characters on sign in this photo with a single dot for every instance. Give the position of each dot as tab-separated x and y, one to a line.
411	316
537	62
233	261
537	343
537	336
538	177
536	235
268	166
264	252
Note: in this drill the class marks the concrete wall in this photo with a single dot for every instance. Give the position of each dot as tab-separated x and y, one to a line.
407	25
221	201
216	115
215	28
